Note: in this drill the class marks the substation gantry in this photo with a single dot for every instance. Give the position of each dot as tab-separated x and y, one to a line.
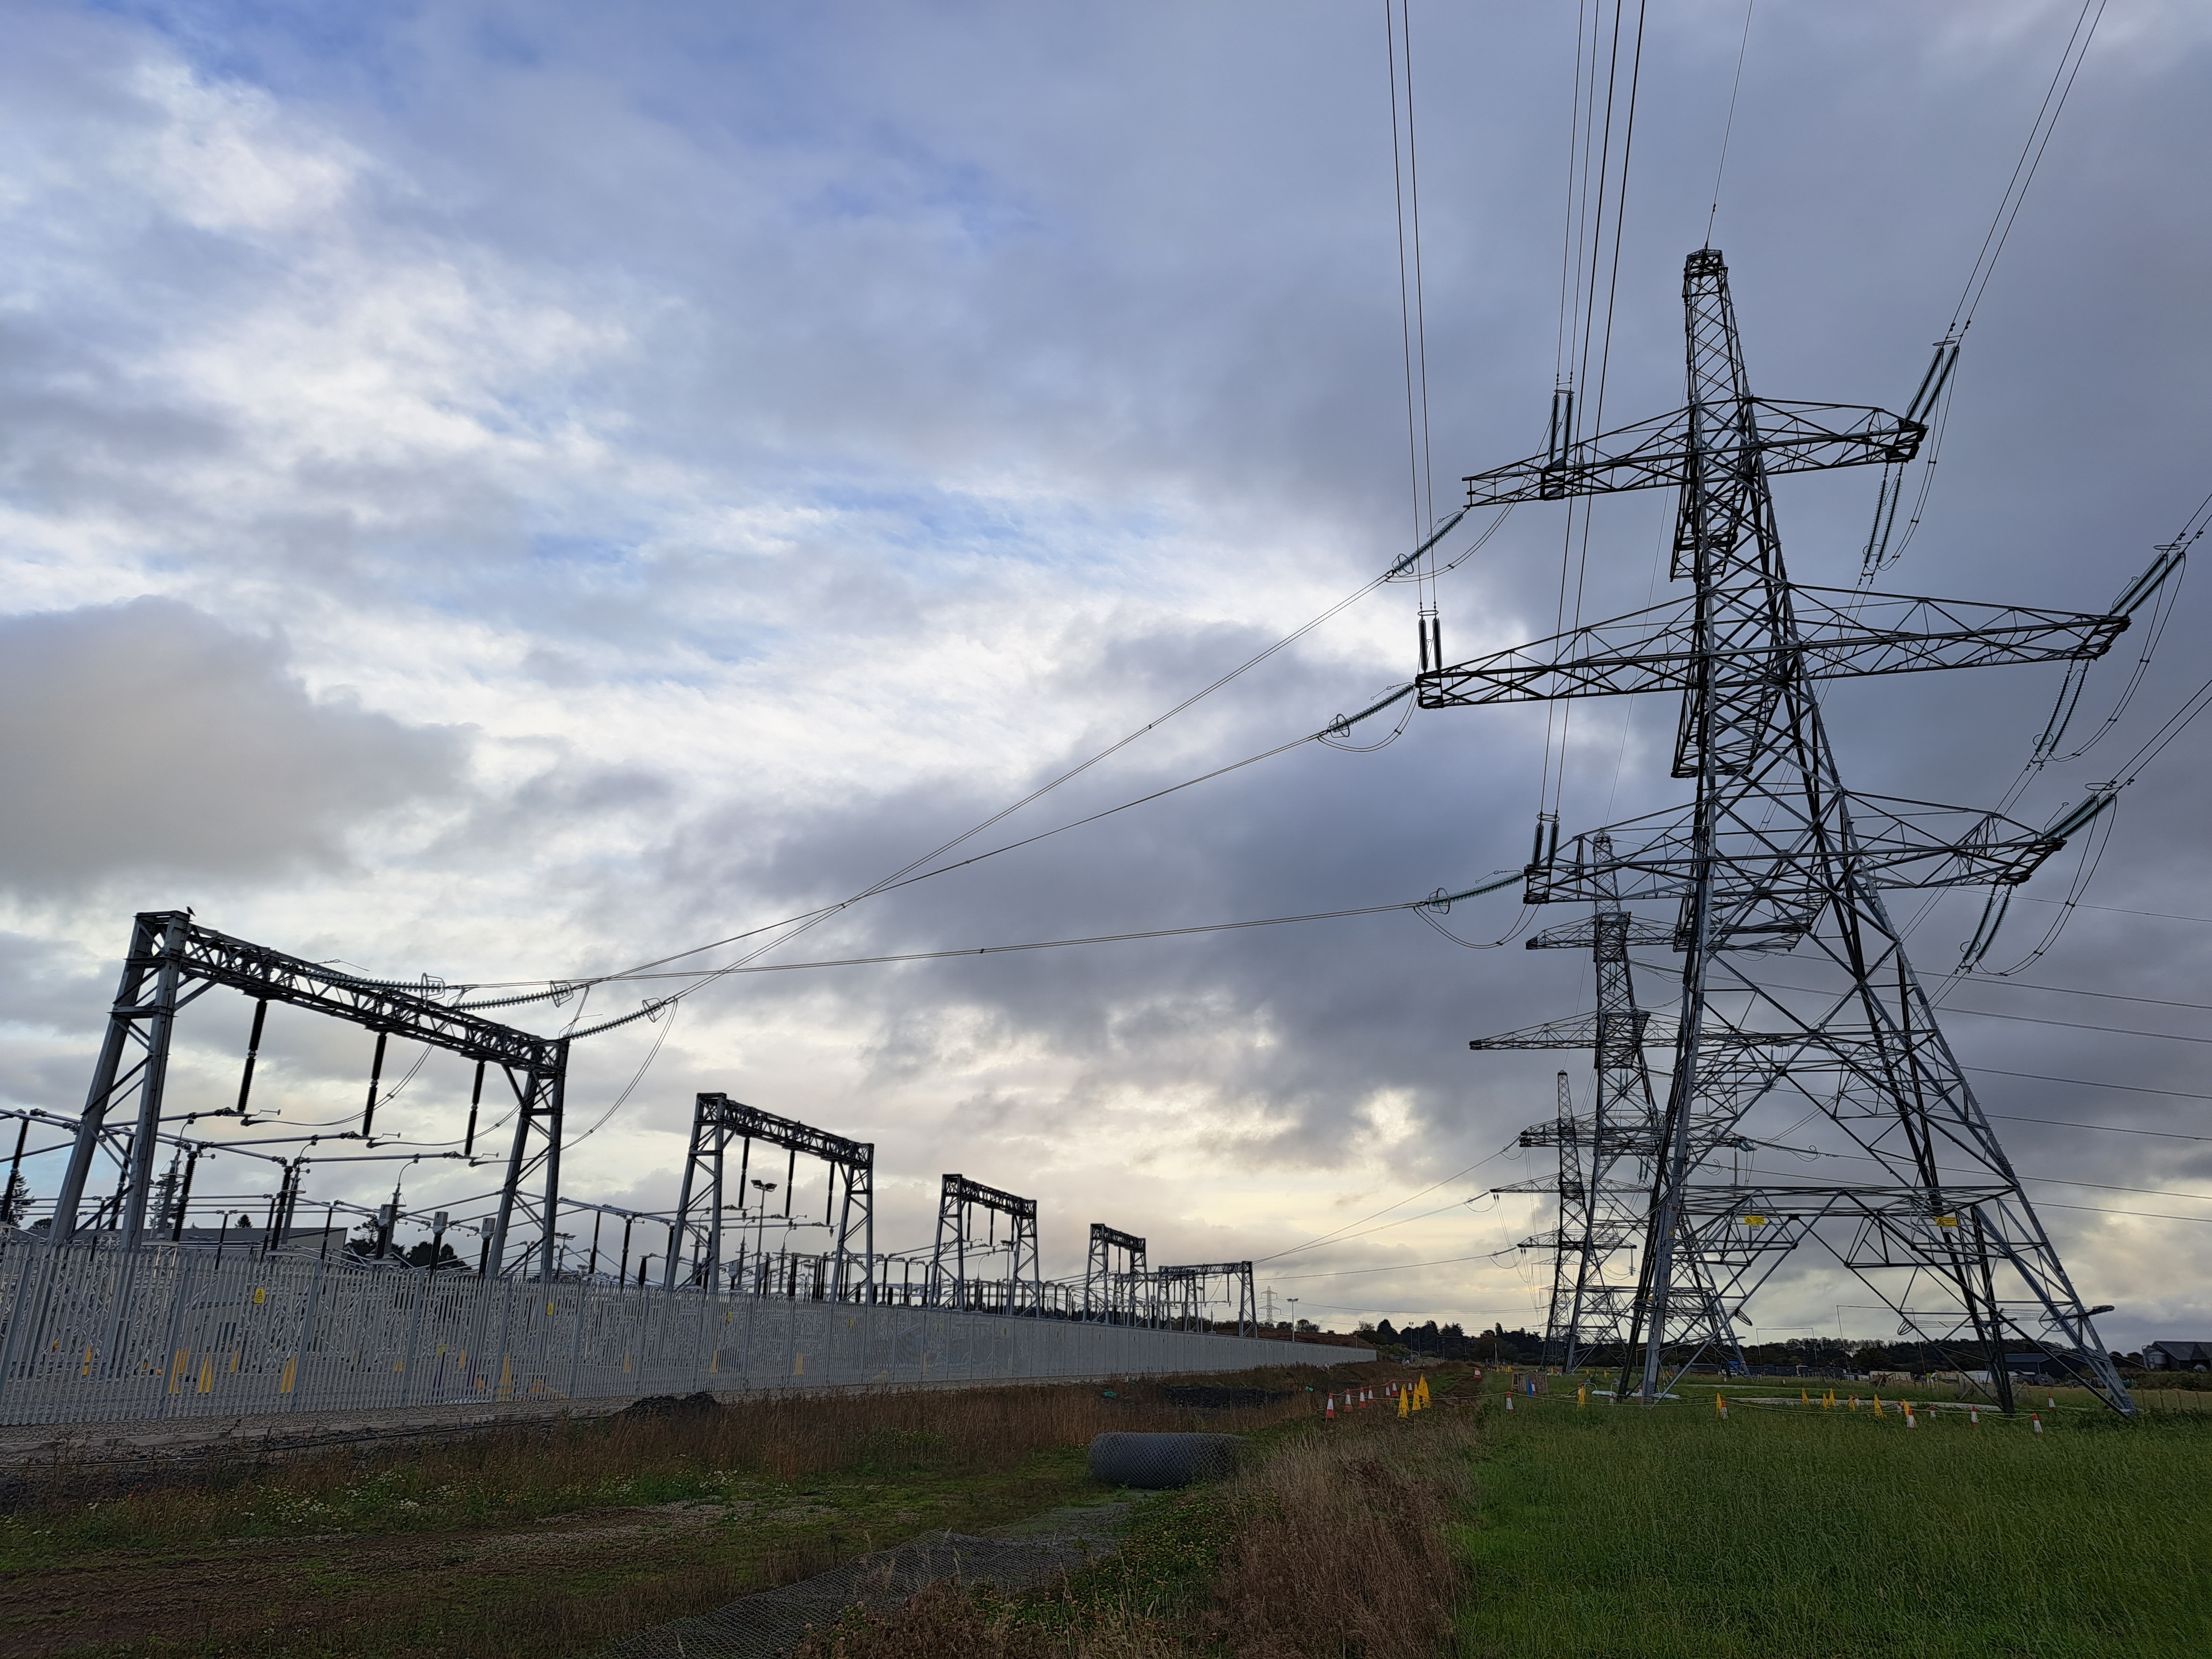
1114	1278
1797	1000
847	1199
959	1201
1182	1295
173	961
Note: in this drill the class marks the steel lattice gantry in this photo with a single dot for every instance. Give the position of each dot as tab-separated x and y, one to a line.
850	1213
1776	875
173	961
1183	1293
1110	1285
957	1201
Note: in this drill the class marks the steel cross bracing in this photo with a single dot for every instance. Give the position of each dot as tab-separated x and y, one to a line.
173	961
716	1121
957	1201
1775	866
1112	1276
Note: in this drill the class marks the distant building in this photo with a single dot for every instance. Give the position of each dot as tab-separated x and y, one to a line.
2172	1354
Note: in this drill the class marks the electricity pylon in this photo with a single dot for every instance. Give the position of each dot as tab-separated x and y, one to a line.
1604	1179
1776	874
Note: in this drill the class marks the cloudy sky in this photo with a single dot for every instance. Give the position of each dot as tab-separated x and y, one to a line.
513	491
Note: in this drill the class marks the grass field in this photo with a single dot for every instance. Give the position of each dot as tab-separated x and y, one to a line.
1549	1532
1620	1533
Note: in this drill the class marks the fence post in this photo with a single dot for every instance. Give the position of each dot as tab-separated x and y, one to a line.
126	1283
576	1350
30	1309
178	1303
414	1338
506	1323
307	1334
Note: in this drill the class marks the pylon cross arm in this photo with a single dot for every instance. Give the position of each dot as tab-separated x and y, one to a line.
1665	649
1653	454
1896	843
1577	1031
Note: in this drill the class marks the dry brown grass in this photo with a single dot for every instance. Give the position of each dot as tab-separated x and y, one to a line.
498	1477
1333	1547
1342	1549
549	1540
947	1622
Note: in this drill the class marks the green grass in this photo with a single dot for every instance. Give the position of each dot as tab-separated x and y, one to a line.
1620	1533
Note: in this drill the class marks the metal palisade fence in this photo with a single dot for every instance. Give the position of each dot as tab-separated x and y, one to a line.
95	1333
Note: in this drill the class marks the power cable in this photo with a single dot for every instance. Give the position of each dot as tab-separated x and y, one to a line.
2086	1083
1933	404
1729	129
1560	716
2107	1128
1505	879
2117	910
1333	1234
2075	1025
2030	159
1397	30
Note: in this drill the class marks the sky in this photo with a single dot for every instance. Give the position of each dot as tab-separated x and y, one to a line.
511	492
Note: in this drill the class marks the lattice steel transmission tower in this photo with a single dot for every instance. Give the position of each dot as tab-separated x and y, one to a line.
1799	1017
1604	1179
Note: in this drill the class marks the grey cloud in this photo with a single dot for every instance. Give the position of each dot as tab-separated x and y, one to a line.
149	738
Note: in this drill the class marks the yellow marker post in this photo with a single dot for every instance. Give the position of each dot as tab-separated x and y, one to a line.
1582	1396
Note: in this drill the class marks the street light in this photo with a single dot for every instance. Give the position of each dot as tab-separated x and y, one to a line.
1293	1300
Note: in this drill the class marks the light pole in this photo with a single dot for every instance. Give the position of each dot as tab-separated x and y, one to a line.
1293	1300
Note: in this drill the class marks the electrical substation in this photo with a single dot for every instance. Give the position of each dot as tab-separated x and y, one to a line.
122	1308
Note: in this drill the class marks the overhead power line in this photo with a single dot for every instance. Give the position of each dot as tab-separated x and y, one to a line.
2030	159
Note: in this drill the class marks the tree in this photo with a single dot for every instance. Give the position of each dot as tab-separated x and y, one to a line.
15	1201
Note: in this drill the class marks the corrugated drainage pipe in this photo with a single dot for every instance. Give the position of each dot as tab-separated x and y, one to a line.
1154	1461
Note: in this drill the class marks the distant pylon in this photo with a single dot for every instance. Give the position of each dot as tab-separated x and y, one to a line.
1604	1179
1776	874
